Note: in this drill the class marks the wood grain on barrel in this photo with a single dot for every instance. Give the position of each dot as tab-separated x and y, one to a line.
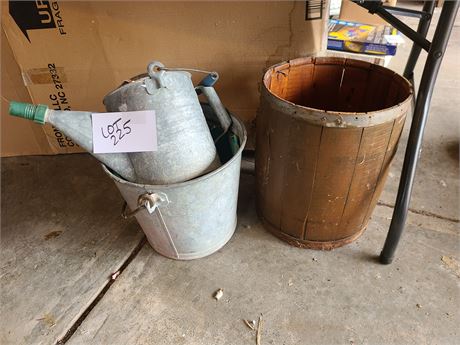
368	165
326	77
262	159
336	164
395	93
389	154
319	184
276	134
353	89
300	80
392	95
279	82
377	89
304	140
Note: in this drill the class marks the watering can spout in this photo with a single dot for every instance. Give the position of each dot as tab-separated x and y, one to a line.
76	125
34	112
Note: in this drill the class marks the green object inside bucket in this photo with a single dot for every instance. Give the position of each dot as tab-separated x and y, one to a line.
234	143
228	143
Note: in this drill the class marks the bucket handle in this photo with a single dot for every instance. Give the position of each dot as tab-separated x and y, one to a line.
152	202
156	71
148	201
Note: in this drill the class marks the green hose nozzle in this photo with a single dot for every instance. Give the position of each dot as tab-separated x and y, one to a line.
35	112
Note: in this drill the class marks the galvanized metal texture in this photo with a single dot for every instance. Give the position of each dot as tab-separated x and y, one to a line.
318	183
185	146
78	126
200	215
217	106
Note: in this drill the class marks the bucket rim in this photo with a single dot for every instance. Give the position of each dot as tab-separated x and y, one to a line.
334	118
199	179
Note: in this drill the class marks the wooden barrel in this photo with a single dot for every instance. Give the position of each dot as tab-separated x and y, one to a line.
327	131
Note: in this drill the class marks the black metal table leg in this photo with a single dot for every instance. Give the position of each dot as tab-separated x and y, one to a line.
430	72
422	29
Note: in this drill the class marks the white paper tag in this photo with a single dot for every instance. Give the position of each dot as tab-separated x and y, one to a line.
131	131
394	39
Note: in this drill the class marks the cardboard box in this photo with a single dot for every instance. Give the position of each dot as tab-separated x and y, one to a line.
94	46
361	38
18	137
355	13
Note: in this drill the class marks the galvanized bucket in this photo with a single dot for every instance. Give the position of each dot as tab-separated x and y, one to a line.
192	219
185	146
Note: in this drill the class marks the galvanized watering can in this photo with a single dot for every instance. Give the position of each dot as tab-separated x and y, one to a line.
191	219
185	146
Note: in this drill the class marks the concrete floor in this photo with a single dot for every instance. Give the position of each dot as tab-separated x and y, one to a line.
63	238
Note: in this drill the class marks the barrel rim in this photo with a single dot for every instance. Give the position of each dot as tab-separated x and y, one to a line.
199	179
329	118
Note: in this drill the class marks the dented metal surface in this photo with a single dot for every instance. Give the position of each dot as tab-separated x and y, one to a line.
191	219
185	146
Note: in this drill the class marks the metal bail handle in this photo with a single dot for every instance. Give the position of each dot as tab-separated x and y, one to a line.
149	201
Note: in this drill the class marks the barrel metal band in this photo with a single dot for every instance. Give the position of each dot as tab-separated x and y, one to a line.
335	118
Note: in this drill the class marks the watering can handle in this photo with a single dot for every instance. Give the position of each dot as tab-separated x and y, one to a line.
156	72
149	201
214	101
